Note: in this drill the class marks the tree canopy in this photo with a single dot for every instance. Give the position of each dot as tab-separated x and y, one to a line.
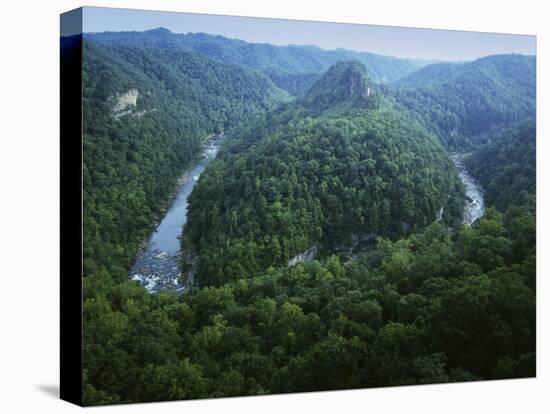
351	171
465	104
337	163
506	167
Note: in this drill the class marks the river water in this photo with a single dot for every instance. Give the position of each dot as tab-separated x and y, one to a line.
475	205
158	265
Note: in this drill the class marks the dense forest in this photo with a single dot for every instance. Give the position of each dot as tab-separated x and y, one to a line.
338	162
351	168
465	104
428	308
292	68
506	166
134	151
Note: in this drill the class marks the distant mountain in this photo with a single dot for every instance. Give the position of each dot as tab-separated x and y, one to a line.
293	68
336	165
466	103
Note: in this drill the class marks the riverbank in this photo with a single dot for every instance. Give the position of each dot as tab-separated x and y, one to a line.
475	204
158	264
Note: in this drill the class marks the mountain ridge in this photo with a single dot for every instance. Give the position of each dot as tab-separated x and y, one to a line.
465	104
442	72
283	64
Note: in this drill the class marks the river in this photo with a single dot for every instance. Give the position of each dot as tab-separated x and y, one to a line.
475	204
158	265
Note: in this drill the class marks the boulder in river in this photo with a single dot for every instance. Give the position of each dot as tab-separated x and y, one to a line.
161	255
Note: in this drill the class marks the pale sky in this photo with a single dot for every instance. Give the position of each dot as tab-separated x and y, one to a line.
386	40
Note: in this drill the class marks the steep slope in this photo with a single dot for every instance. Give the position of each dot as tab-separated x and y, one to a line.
338	164
506	167
293	68
465	103
146	115
428	308
346	83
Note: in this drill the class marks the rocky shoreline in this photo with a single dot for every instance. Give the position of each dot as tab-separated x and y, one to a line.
474	206
160	272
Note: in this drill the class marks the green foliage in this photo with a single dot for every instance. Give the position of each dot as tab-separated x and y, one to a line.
445	316
421	304
337	163
466	103
506	167
133	157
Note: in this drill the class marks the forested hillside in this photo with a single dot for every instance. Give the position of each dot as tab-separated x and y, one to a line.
339	162
426	309
466	103
506	167
293	68
352	172
146	115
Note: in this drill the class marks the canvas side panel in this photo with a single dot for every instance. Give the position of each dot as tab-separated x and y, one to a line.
71	207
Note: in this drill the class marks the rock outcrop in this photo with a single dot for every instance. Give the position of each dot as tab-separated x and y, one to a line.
124	102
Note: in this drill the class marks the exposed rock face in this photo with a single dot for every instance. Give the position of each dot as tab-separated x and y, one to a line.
306	256
439	215
344	81
358	86
123	102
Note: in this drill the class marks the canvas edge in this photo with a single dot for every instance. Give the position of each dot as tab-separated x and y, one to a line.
71	374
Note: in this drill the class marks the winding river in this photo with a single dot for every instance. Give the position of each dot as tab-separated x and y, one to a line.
158	265
475	205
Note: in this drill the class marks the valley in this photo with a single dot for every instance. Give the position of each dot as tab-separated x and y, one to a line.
158	267
312	151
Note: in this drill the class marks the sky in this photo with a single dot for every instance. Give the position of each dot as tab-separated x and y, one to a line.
395	41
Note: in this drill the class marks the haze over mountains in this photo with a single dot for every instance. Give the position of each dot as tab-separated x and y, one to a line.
324	247
464	103
293	68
